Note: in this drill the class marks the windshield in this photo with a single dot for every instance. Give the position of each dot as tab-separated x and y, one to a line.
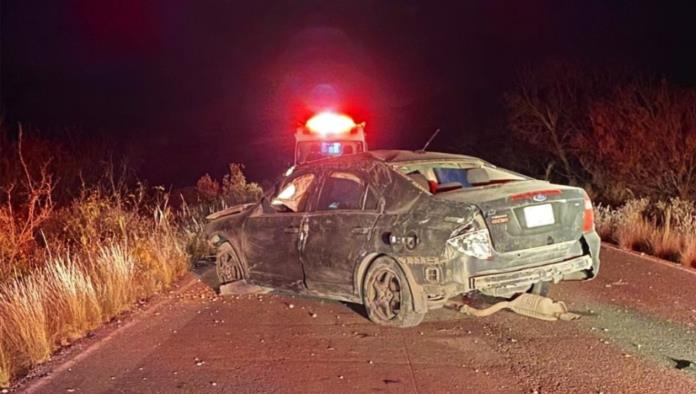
438	177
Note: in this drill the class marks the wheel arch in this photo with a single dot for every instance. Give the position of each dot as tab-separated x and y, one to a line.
420	302
219	238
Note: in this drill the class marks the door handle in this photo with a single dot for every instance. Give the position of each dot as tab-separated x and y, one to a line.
360	230
291	230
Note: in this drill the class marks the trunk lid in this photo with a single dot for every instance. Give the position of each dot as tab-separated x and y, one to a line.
527	214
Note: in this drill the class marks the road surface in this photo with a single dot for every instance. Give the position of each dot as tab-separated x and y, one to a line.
636	335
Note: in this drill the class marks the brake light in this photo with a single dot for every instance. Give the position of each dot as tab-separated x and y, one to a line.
588	216
330	123
535	194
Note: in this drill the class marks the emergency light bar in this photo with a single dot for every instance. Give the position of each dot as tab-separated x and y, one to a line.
328	134
330	123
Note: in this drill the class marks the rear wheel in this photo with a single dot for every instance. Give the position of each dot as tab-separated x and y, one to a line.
387	295
229	266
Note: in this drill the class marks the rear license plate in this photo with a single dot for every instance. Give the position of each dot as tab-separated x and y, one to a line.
539	215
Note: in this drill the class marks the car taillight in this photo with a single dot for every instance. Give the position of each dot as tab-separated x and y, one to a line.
588	216
473	239
475	244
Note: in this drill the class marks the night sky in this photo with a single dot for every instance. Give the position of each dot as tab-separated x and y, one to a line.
188	86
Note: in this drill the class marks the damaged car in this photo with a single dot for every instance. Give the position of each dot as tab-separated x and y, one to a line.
402	232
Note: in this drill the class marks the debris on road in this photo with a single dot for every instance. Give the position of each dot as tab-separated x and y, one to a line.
241	287
530	305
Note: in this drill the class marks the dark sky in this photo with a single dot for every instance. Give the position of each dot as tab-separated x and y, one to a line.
193	85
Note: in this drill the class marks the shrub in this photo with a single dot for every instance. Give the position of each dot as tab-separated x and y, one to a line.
71	264
637	121
212	196
68	296
666	229
688	255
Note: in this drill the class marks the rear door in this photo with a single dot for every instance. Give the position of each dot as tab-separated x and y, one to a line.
340	227
273	236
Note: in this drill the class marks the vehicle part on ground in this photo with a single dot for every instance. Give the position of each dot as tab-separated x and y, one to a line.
540	288
530	305
241	287
229	267
387	295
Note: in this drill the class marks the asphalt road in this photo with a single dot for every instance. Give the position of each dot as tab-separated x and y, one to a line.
636	335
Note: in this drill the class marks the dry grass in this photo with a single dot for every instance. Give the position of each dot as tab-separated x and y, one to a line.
634	235
666	229
68	297
688	255
5	364
72	258
96	256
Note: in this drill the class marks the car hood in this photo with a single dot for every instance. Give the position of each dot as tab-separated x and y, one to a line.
230	211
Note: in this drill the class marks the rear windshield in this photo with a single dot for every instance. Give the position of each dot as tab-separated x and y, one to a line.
439	177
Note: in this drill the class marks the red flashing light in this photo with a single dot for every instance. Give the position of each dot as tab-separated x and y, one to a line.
330	123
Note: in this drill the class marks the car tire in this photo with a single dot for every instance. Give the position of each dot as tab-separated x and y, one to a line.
540	288
387	295
228	265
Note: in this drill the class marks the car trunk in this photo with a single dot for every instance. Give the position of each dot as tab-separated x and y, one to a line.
527	214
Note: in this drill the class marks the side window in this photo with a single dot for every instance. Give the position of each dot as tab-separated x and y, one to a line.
293	195
342	190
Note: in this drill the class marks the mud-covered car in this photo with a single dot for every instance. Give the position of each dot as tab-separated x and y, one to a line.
402	232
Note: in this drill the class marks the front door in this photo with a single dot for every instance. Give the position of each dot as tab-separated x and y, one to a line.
274	235
339	232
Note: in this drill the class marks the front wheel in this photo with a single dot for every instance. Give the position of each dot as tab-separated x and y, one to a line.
229	266
387	295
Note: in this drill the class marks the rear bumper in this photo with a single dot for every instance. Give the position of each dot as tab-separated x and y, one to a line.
511	273
528	276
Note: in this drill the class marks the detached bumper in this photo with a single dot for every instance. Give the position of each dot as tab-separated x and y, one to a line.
528	276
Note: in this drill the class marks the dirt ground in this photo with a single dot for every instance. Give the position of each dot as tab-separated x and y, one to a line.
636	335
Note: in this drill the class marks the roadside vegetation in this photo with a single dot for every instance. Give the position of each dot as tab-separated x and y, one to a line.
629	140
81	242
666	229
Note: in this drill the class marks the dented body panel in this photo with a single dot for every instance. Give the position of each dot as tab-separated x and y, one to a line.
326	248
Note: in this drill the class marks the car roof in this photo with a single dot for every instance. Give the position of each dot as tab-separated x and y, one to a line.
395	156
392	156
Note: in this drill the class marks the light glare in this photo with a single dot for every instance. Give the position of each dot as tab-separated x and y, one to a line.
327	123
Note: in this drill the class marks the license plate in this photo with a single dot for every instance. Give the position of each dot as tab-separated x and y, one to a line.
539	215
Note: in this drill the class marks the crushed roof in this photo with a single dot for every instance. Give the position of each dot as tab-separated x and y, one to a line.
409	155
393	156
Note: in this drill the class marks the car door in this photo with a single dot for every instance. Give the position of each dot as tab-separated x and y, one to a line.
273	234
339	228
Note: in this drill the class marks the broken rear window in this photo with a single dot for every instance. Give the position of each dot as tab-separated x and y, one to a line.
438	177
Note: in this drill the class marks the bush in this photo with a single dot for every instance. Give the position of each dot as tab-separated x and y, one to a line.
98	275
618	135
68	266
212	196
640	121
666	229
